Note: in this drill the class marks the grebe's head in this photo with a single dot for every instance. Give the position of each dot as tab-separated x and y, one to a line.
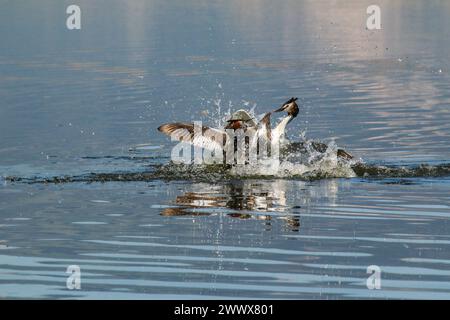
290	107
240	120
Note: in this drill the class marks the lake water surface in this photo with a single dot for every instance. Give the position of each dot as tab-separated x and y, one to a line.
86	103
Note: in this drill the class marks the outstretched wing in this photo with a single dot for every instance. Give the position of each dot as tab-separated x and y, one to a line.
208	138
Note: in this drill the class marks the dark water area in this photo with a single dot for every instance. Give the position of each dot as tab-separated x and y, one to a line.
83	171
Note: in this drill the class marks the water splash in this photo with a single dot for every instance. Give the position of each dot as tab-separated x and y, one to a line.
213	173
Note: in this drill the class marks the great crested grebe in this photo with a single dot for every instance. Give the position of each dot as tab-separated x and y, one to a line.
219	139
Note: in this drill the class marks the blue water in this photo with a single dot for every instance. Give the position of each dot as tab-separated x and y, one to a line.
89	101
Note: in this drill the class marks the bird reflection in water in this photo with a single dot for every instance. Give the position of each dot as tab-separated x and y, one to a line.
238	199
